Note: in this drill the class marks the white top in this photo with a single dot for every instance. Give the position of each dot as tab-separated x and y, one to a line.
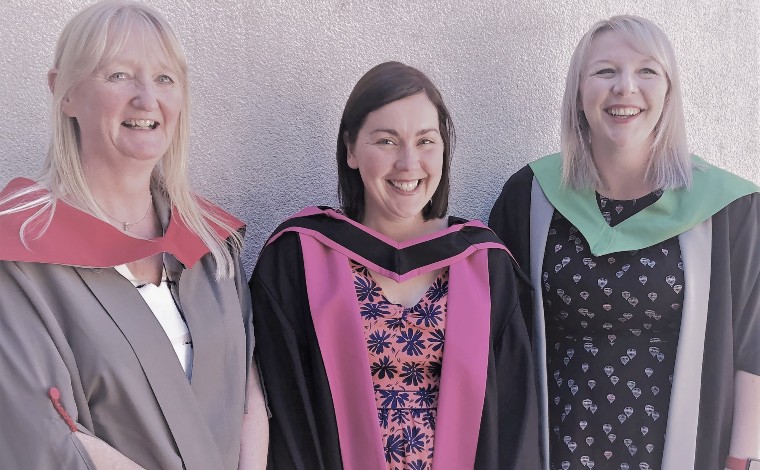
161	302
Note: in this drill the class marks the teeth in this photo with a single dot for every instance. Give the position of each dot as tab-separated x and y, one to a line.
141	123
624	111
405	185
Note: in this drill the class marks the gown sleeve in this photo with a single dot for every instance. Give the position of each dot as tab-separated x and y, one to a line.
510	220
744	217
34	357
511	402
302	434
244	296
510	215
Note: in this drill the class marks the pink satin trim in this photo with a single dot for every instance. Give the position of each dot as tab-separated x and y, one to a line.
335	313
375	267
313	210
337	323
465	364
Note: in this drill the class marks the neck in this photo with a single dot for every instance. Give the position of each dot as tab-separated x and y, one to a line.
401	230
124	196
623	172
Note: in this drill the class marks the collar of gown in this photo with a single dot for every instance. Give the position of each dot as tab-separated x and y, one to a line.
76	238
677	211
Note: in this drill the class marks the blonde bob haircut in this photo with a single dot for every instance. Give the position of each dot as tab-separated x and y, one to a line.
89	39
670	165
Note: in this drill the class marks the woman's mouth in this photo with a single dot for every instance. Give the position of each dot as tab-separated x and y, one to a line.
139	124
623	112
407	185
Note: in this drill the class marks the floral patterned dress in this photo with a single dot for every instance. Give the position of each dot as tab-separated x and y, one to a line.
405	347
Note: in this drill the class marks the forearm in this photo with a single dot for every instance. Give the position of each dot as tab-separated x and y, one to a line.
745	433
105	456
254	439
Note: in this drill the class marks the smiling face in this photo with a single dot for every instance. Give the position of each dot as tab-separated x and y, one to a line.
129	106
622	94
399	154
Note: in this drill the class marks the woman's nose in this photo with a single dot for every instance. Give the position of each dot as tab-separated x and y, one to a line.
625	84
146	96
408	159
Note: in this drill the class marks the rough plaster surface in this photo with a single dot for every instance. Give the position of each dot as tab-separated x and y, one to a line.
270	78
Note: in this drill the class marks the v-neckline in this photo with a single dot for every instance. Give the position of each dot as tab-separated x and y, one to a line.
367	274
675	212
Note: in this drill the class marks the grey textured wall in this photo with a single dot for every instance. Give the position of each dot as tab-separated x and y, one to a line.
269	80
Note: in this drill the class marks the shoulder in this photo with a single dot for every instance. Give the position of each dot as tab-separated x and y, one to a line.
19	200
313	219
711	178
281	252
719	194
743	215
715	188
500	257
222	221
519	184
520	181
20	184
513	204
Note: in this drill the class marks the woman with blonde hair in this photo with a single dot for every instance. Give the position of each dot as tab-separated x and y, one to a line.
645	263
125	334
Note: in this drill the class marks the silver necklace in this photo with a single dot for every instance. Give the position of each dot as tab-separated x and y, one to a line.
125	225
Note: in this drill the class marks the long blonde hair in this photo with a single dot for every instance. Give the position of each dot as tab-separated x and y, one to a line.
84	44
669	164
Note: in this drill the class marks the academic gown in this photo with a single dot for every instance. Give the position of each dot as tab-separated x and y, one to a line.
314	362
717	223
69	320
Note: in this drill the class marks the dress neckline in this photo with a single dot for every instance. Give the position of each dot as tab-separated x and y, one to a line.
367	275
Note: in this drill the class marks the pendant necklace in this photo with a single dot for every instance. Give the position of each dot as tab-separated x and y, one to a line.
126	225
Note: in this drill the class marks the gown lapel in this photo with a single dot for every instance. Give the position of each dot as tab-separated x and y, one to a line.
159	362
338	326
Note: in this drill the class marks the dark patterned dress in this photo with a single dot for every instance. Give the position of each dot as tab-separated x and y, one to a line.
405	347
612	326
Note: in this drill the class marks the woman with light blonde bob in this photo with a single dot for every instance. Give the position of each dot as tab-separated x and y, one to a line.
125	328
645	262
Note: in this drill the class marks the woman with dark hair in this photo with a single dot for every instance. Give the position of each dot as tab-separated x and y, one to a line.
390	336
645	263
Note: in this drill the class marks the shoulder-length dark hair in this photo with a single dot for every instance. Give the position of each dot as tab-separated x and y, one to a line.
383	84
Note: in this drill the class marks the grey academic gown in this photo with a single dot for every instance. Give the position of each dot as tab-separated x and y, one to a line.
88	332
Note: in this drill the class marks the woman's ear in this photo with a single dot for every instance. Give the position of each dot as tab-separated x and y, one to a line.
52	76
350	158
65	102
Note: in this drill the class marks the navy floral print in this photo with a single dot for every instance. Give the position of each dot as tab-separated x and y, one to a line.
405	348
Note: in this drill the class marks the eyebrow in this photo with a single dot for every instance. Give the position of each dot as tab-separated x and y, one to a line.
648	60
394	132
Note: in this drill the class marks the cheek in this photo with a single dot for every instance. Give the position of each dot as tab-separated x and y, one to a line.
434	162
370	164
173	106
589	99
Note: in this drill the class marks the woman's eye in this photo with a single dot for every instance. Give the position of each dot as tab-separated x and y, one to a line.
647	70
165	79
426	141
385	141
607	71
118	76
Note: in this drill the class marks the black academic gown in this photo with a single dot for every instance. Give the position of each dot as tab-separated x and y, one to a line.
721	250
312	356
